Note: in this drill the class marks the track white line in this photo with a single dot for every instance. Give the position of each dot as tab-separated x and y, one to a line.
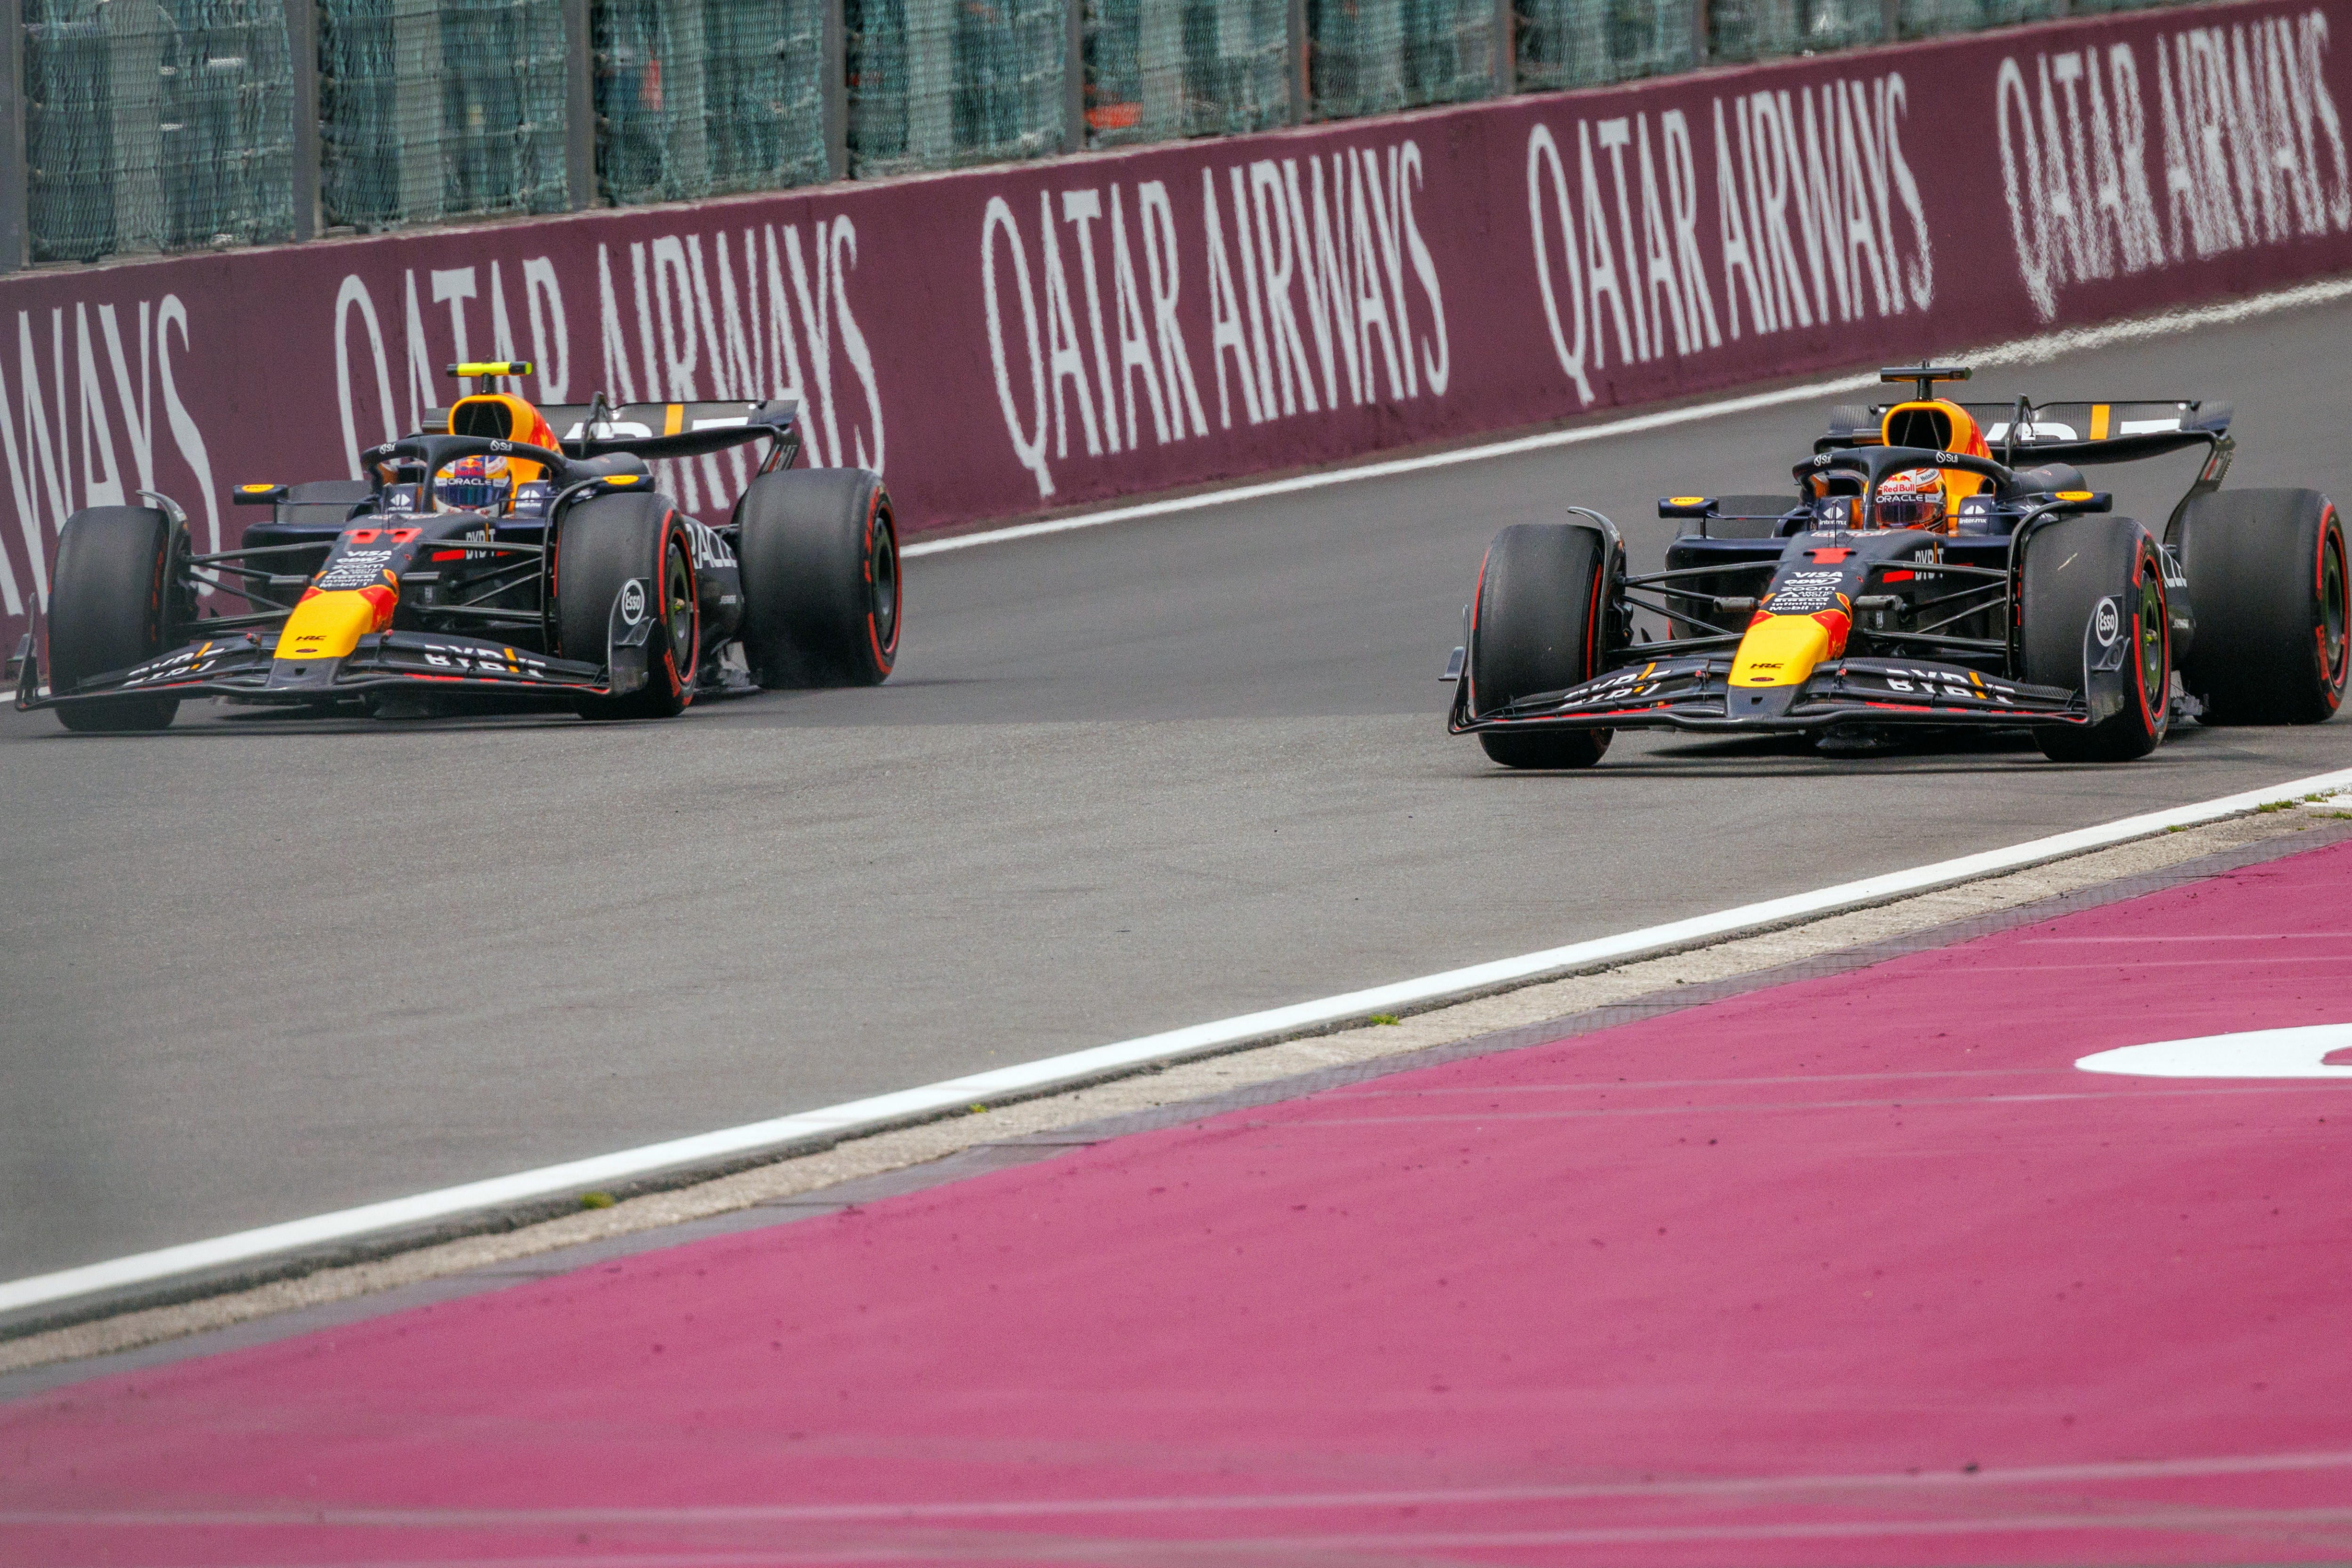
1735	1488
879	1111
2024	350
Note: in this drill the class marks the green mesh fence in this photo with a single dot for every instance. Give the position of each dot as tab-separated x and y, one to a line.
1589	43
702	98
439	109
1369	57
938	83
1763	29
1926	18
155	125
1160	70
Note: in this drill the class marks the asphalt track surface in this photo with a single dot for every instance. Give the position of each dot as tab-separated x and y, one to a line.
1855	1270
1126	779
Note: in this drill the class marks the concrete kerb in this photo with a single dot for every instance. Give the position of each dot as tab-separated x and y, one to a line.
811	1178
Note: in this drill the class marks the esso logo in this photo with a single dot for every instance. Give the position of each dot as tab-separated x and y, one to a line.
633	602
2107	623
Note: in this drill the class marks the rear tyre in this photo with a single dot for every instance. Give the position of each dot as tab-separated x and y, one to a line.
113	603
2071	568
822	600
1762	519
1536	626
2267	580
602	543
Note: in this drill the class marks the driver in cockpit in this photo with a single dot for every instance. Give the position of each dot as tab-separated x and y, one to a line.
476	484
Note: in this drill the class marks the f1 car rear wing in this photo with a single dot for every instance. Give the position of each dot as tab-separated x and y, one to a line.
654	430
2022	434
671	430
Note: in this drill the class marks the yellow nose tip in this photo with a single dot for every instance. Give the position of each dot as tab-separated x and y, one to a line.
329	624
1780	650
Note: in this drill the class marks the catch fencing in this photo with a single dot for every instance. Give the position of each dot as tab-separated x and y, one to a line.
160	126
154	127
431	110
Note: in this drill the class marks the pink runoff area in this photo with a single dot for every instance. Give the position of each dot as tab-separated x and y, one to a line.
1858	1269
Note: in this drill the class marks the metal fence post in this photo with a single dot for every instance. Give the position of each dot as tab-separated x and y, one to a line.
1299	52
303	55
1702	46
836	90
15	182
579	105
1890	20
1507	48
1074	75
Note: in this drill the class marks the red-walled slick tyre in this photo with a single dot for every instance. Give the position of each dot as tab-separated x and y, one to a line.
822	598
602	543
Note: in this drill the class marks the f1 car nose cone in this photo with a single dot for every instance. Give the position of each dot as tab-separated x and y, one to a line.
2257	1053
1781	649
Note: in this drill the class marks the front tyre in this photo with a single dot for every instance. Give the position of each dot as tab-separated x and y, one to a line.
822	598
113	603
602	543
1537	627
2073	569
2267	579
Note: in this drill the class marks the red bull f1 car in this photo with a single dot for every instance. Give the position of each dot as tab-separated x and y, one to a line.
1938	564
504	549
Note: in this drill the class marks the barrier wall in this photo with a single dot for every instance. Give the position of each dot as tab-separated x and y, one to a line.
1008	340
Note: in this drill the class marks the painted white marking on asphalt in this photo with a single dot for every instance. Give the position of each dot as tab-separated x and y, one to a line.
1734	1487
2025	350
858	1117
2256	1053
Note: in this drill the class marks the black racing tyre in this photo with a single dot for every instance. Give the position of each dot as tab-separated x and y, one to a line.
1758	516
821	596
2071	567
602	543
113	603
1538	625
2268	583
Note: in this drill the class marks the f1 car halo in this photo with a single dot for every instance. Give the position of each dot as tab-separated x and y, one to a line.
486	553
1914	579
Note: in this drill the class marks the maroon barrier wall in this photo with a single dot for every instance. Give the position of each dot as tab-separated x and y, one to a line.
1006	340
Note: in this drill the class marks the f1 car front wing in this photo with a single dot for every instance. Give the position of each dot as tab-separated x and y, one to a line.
245	664
1694	692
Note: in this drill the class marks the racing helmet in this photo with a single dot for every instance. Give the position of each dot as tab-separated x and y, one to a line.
474	484
1912	499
